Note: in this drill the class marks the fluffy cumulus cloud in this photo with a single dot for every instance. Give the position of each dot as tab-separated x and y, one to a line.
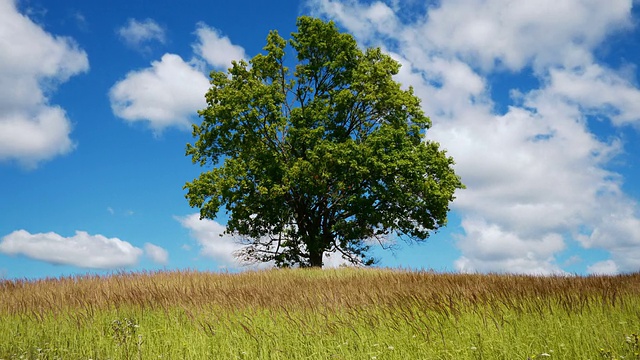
171	91
598	90
535	172
216	49
515	34
138	33
82	249
156	253
32	63
494	248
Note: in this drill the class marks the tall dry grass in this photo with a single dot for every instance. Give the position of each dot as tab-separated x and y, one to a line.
308	289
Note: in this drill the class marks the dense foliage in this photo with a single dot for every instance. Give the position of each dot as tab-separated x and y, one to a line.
328	158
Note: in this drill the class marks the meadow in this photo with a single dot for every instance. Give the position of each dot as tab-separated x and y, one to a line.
321	314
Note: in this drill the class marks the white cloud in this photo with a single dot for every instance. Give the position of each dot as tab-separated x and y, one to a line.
529	170
365	21
516	34
215	48
82	249
136	33
213	242
619	233
169	93
490	248
598	90
156	253
34	136
32	63
536	175
607	267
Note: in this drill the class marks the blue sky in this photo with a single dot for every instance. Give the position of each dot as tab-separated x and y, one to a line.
538	102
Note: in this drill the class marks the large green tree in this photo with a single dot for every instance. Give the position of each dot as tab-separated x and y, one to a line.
330	157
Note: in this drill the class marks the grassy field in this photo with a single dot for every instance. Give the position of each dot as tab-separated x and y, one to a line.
321	314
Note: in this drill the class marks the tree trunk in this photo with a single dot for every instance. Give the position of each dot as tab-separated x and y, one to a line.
315	257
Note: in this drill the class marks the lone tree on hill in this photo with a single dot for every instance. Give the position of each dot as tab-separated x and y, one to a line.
328	158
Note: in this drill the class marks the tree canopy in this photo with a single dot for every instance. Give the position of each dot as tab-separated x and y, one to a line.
329	157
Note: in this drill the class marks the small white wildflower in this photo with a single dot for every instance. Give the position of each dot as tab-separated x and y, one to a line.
545	355
474	348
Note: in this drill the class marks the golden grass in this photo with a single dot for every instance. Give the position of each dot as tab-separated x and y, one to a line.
305	289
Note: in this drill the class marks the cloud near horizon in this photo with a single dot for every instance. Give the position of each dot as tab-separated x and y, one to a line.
81	250
213	242
157	254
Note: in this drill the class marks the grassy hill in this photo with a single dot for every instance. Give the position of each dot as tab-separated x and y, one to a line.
321	314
